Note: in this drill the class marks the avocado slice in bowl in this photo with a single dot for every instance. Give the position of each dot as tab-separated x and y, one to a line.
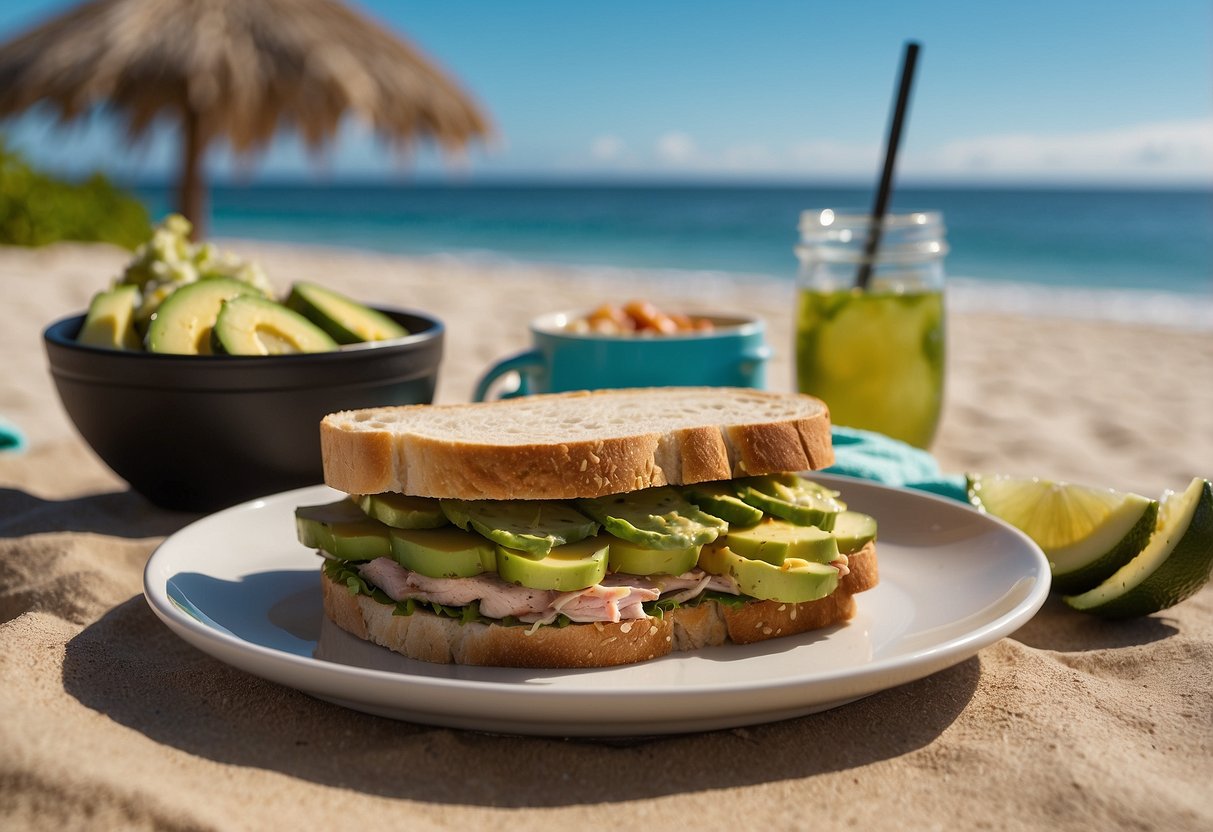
251	325
183	322
345	319
110	322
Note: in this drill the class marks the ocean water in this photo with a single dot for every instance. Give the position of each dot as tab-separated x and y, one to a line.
1137	240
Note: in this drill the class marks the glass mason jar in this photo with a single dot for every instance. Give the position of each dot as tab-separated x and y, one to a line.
874	354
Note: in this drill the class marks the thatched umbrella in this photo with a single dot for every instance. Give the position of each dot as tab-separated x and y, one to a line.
237	70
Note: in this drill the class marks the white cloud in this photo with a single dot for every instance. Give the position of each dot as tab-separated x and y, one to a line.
606	148
1169	151
752	157
833	157
1164	152
676	148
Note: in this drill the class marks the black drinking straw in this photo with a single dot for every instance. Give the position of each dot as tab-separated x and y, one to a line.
909	59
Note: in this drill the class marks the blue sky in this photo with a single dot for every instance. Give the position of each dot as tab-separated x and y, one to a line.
1039	91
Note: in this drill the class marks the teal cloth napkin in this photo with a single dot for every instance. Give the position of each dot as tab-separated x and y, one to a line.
874	456
10	438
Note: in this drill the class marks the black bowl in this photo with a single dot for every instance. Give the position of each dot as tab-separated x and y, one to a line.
198	433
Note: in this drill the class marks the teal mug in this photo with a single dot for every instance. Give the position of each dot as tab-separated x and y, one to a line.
734	353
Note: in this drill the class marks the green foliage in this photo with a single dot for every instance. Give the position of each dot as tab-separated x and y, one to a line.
36	209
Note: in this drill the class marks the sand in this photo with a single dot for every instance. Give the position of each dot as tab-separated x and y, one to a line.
108	720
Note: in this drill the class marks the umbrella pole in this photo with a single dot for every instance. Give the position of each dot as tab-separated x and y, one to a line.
190	195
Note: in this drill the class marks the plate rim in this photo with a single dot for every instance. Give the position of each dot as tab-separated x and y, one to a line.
939	656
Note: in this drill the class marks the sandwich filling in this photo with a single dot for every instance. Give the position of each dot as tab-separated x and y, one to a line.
610	560
616	598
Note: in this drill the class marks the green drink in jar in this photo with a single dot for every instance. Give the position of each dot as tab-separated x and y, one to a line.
874	354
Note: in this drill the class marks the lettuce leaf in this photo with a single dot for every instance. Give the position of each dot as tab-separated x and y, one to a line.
658	608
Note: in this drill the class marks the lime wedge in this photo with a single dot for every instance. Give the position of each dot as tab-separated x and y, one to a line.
1086	533
1175	563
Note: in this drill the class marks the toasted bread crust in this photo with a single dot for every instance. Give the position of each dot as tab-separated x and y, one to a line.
364	459
431	638
638	439
704	454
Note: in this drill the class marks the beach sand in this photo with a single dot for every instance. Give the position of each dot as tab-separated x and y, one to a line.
109	720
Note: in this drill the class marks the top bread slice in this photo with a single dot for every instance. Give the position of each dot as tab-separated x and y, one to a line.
569	445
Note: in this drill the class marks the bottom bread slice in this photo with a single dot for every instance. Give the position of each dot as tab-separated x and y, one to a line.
433	638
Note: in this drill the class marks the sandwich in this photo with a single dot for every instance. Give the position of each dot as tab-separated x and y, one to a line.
585	529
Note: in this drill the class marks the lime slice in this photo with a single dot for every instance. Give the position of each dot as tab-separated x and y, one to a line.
1086	533
1175	563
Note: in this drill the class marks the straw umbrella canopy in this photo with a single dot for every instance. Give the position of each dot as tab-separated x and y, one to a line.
236	70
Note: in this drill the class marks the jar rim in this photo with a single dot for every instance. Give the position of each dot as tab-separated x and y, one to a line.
818	219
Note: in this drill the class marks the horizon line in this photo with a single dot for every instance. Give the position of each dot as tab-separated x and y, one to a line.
556	182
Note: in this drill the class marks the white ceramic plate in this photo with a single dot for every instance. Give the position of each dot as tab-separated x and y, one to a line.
238	586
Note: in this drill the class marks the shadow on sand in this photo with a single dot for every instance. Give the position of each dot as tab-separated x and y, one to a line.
1059	628
117	514
133	669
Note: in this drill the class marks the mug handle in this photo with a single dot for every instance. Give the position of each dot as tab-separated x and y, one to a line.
519	363
751	364
757	354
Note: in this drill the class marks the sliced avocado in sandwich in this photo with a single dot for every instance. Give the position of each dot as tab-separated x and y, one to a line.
853	531
775	541
343	531
793	581
720	499
565	568
792	498
402	511
531	526
443	552
634	559
660	518
345	319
